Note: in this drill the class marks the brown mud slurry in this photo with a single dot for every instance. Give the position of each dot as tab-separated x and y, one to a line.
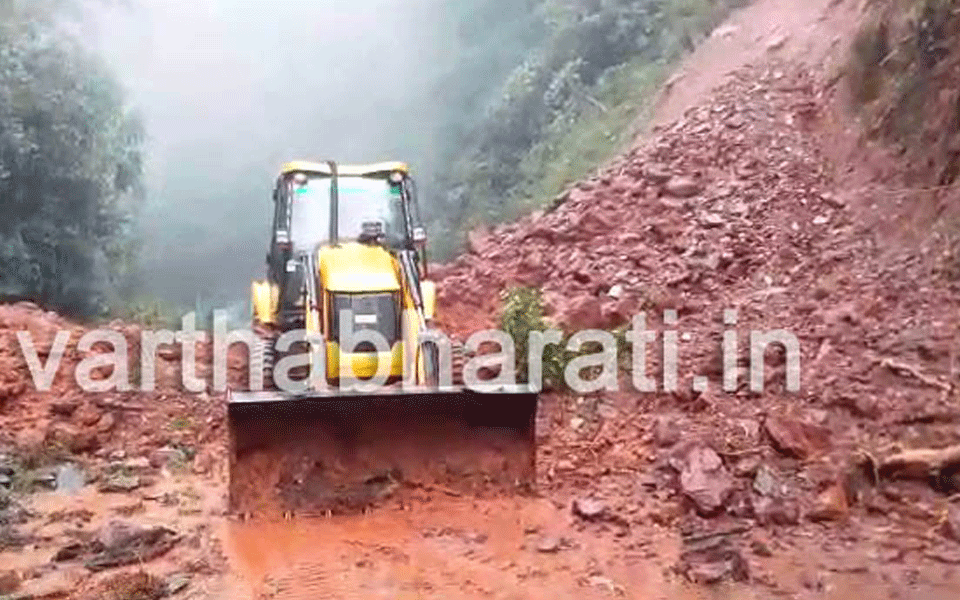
521	549
447	548
344	456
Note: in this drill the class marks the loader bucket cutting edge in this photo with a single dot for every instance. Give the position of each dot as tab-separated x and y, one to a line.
334	452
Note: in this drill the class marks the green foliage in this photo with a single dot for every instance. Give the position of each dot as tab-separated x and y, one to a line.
180	423
901	76
522	315
582	81
893	54
152	313
70	167
573	148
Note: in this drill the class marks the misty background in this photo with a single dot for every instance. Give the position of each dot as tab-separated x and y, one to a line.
140	140
228	90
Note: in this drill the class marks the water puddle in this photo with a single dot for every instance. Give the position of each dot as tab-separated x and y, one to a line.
70	479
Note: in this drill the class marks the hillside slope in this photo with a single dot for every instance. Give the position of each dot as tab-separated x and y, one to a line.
766	197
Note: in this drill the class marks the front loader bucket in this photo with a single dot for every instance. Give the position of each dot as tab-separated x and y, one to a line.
336	452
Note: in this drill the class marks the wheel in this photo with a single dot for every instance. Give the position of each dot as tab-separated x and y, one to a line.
265	351
458	359
431	365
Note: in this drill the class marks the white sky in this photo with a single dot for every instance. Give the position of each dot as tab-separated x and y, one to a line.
231	89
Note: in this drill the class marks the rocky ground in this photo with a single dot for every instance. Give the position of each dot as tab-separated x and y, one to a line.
759	199
93	487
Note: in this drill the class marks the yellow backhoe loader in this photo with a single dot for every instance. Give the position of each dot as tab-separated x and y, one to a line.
361	399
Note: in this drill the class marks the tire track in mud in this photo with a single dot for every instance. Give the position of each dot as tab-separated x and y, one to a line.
449	548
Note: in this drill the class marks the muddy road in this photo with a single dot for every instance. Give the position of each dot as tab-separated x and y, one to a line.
438	546
448	548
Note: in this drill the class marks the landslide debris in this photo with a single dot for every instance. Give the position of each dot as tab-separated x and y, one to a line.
85	478
741	206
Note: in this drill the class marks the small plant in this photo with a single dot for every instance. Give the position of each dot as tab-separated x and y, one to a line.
180	423
523	314
153	313
188	452
132	586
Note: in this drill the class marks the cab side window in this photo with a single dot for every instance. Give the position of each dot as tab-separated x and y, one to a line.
281	209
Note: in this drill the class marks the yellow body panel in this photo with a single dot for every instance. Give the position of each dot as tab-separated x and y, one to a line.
303	166
429	291
364	365
360	268
411	323
357	268
266	297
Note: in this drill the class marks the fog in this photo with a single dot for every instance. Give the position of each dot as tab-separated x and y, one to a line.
230	89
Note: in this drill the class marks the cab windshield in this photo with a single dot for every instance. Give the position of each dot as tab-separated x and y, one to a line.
363	200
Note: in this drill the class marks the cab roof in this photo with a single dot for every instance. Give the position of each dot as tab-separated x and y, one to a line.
322	168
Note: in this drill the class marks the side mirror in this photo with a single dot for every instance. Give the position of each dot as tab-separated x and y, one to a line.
419	235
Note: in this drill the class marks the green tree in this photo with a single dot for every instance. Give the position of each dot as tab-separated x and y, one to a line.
70	167
580	76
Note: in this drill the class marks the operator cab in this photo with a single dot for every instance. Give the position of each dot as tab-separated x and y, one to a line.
370	207
323	204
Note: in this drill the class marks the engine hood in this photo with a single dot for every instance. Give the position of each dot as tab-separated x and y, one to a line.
355	268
